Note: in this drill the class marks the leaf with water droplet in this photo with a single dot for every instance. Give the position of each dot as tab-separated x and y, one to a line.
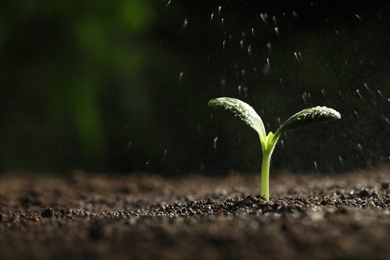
241	111
308	116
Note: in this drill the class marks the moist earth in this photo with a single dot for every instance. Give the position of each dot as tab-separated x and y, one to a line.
148	216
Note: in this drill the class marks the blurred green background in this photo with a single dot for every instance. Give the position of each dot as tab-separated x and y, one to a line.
123	86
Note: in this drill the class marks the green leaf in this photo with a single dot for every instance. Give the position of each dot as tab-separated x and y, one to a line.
241	111
308	116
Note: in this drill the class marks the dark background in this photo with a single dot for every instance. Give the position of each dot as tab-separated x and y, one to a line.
123	86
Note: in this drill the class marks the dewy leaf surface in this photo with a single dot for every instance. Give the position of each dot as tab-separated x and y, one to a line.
309	116
241	111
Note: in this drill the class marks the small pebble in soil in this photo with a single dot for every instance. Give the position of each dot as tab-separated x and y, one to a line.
363	193
385	185
47	213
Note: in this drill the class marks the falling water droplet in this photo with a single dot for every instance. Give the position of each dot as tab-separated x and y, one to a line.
358	17
239	90
245	92
306	97
169	2
323	93
253	32
215	142
211	17
380	94
223	82
242	45
184	24
316	165
128	146
269	46
274	19
236	69
282	144
341	160
358	92
219	10
164	155
277	31
294	14
148	161
359	147
263	17
386	119
281	82
268	64
180	77
296	56
368	89
222	20
249	48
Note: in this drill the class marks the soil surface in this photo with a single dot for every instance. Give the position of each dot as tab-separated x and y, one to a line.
143	216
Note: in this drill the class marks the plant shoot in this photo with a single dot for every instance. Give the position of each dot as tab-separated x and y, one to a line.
248	115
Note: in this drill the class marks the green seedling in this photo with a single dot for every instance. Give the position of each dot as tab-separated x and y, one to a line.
248	115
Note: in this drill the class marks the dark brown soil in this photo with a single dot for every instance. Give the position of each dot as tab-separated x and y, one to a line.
149	217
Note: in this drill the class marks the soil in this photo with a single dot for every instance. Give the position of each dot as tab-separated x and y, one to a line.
142	216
